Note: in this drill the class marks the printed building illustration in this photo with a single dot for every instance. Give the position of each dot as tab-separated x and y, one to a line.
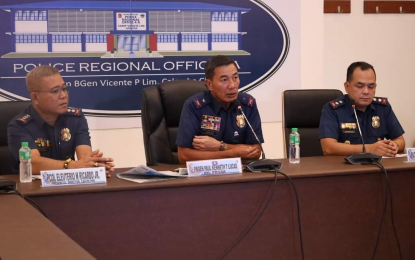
105	26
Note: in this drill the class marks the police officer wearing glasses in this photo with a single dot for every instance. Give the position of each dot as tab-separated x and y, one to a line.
54	131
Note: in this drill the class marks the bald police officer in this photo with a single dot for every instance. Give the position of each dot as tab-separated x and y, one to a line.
381	130
211	126
54	131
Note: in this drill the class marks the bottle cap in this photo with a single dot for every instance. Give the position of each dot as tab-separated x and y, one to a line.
25	143
294	129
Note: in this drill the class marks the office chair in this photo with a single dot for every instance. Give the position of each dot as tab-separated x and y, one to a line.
302	109
8	110
160	115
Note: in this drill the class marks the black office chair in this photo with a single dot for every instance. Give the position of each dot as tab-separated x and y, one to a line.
302	109
8	110
160	115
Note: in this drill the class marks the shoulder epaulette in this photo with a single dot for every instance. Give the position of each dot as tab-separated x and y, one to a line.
200	100
73	111
246	99
338	102
380	100
24	119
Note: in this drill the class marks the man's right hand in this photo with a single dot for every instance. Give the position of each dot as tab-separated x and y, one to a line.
383	148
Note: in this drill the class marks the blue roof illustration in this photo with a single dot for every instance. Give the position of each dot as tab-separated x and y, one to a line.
125	5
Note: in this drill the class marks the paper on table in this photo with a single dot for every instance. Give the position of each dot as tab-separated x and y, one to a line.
143	174
399	155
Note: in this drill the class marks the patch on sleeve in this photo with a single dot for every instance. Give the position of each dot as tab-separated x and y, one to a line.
197	103
24	119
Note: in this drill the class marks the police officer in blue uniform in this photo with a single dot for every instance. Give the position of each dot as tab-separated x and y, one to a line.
211	124
54	131
381	130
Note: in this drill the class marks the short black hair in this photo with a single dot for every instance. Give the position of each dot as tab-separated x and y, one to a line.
359	64
217	61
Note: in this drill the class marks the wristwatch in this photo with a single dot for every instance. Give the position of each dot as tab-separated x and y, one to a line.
223	146
66	163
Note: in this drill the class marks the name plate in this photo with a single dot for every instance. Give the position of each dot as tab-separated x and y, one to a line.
81	176
214	167
410	154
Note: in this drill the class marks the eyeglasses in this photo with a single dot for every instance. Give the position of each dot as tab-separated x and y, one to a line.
55	91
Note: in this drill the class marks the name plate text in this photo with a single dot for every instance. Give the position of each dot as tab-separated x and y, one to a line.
214	167
81	176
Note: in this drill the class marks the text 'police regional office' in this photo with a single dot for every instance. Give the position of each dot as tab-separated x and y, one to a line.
115	66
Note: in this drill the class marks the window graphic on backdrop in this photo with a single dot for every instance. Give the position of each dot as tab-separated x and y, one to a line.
110	50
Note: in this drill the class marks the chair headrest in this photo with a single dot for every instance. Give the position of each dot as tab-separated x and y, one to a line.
173	95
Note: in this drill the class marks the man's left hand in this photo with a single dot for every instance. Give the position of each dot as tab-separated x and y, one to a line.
205	143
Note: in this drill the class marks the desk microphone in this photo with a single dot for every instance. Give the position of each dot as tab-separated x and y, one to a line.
364	157
261	164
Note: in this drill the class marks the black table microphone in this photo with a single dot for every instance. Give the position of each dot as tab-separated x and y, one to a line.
261	164
364	157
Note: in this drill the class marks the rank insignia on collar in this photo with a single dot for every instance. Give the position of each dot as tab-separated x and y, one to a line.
240	121
375	122
65	134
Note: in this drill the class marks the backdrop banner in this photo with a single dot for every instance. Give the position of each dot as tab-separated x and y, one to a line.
108	51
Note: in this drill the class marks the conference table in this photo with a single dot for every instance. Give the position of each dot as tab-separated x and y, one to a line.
341	207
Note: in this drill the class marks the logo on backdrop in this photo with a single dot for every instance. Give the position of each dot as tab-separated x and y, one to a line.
112	54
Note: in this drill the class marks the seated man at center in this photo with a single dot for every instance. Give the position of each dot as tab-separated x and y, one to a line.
211	125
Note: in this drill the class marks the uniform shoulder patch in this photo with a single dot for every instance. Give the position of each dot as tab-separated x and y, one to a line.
246	99
24	119
380	100
74	111
200	100
337	103
196	101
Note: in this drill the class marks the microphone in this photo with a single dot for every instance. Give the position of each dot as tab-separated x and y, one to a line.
364	157
261	164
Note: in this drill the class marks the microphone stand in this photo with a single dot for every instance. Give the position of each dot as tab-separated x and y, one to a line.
261	164
364	157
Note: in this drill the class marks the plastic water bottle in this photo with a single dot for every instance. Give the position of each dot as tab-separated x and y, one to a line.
25	157
294	146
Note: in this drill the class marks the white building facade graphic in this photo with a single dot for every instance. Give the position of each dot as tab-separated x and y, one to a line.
105	26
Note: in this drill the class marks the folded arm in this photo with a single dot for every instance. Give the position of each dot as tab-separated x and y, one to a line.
86	159
389	148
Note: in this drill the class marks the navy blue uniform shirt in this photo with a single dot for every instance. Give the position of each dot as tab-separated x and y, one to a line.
203	115
56	142
377	122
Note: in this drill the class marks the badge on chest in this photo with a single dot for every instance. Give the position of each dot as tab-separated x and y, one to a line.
210	125
375	122
348	128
